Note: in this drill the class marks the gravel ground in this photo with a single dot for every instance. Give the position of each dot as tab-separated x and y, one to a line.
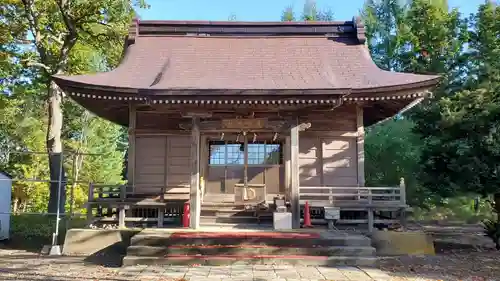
457	265
463	254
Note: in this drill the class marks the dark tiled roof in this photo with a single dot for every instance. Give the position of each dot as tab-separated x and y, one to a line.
173	56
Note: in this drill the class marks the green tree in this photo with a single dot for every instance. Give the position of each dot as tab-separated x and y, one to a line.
385	22
392	151
309	13
55	31
420	36
462	143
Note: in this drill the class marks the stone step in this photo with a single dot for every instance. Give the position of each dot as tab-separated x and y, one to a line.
234	219
216	212
279	239
249	259
229	205
252	250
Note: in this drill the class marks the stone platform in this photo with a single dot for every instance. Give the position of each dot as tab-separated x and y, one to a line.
306	247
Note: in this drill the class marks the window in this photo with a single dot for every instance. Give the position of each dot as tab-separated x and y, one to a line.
232	153
264	153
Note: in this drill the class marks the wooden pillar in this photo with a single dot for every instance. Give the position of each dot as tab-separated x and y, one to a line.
194	198
204	156
245	167
295	171
402	195
294	175
121	207
287	169
90	215
360	145
131	146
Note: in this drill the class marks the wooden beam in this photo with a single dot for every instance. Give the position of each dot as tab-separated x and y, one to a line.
295	179
240	125
194	198
360	146
196	114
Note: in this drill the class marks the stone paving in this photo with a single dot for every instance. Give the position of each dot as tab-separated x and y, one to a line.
248	272
24	266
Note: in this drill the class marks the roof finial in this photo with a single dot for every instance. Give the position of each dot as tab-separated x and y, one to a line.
360	29
133	31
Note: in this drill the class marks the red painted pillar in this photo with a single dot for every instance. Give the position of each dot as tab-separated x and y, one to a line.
186	215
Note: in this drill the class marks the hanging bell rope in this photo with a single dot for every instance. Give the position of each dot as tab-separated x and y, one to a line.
254	137
275	136
222	136
237	137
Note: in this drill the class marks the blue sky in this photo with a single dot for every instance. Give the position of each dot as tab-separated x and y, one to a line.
259	10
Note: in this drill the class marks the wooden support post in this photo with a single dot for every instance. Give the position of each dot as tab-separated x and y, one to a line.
402	194
370	211
288	173
121	216
194	198
295	171
204	155
90	199
360	145
131	146
294	175
245	167
121	207
161	210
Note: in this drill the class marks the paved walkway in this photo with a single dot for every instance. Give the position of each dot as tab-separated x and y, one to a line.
24	266
75	271
255	273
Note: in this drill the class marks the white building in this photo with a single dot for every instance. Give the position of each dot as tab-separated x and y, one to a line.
5	205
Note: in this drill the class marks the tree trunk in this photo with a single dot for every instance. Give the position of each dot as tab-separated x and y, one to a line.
54	148
15	205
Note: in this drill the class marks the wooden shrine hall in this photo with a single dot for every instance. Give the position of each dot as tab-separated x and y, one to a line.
240	117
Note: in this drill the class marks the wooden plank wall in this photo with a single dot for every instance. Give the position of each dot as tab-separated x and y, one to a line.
162	161
328	151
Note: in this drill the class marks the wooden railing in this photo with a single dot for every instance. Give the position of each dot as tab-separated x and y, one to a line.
362	195
110	203
364	199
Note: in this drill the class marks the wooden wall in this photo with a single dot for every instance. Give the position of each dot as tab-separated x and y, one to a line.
328	151
162	161
330	154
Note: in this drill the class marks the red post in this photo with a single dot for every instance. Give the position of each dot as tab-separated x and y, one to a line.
186	215
307	216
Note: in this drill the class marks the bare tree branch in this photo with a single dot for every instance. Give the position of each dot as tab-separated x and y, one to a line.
69	39
39	64
57	39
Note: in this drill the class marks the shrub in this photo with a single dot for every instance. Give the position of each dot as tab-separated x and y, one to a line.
34	231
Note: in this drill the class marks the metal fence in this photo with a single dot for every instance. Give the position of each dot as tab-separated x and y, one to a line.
29	197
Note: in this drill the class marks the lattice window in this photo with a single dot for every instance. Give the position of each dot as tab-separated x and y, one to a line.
232	153
217	153
235	154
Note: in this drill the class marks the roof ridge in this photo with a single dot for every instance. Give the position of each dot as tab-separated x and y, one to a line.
353	28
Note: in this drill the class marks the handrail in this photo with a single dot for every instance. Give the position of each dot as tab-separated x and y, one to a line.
362	193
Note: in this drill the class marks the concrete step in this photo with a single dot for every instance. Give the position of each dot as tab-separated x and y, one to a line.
260	259
242	219
249	250
279	239
216	212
